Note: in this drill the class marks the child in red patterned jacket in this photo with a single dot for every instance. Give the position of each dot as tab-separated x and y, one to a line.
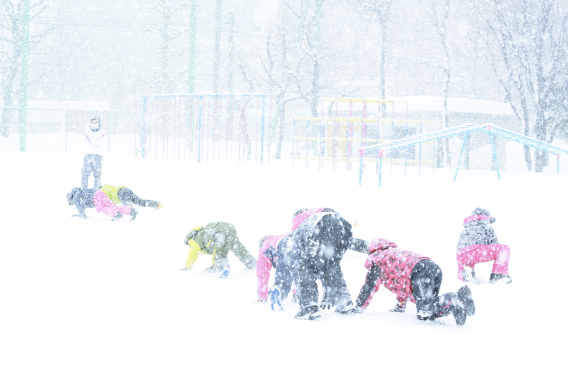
413	278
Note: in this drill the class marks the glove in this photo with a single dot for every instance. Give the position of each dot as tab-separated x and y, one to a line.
325	302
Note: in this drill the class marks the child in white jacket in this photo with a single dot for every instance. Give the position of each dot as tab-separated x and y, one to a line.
95	138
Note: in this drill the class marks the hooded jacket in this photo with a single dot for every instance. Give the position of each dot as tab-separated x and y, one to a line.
395	269
304	215
82	199
209	240
477	230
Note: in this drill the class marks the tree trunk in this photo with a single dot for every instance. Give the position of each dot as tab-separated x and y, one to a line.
382	66
8	97
281	116
246	136
217	57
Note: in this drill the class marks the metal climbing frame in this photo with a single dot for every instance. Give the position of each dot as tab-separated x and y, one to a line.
194	122
335	138
462	129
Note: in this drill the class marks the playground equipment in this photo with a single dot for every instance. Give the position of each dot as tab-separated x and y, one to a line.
198	124
334	138
462	129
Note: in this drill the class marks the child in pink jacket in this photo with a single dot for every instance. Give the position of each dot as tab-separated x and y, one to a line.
267	259
413	278
478	243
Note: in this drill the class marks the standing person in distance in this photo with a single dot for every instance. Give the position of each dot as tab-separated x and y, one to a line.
95	138
478	243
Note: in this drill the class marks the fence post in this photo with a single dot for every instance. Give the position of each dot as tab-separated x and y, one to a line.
420	153
361	151
461	153
66	127
262	132
380	166
293	142
494	152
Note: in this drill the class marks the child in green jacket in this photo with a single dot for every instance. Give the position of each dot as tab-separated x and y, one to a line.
217	239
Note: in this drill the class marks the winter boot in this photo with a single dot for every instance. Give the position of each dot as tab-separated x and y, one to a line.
346	309
468	275
160	206
133	214
275	299
249	261
460	315
117	217
462	305
400	307
466	301
308	313
499	278
225	272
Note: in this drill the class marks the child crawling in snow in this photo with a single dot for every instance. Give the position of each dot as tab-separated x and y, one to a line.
413	278
478	243
113	201
216	239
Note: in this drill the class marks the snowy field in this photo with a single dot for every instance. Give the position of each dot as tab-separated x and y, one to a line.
94	298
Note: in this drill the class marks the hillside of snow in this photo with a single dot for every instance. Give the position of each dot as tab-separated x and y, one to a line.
95	298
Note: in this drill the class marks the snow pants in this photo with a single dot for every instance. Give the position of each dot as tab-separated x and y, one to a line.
127	197
316	253
104	205
91	163
425	280
475	254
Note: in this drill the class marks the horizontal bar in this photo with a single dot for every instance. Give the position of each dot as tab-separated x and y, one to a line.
341	139
528	141
367	159
347	139
421	138
347	99
208	95
360	120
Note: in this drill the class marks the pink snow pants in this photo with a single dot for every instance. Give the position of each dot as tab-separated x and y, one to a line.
104	205
475	254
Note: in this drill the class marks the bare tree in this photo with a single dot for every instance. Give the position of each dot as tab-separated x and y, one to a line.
526	44
10	60
307	77
167	79
440	10
381	10
279	77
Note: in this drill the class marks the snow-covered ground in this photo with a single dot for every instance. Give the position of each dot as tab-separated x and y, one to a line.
94	298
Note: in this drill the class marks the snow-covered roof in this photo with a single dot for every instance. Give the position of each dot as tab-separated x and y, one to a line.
432	103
